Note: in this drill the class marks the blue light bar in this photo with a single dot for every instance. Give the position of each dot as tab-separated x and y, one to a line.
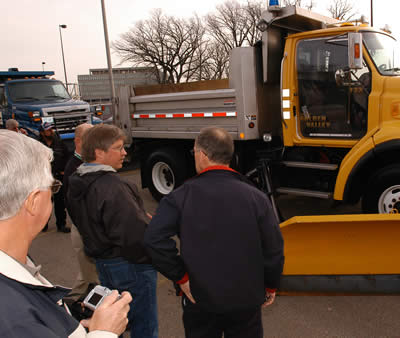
274	2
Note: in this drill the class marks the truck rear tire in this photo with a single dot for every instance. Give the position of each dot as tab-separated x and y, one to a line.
165	170
383	194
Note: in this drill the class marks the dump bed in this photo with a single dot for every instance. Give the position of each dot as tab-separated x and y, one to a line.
180	111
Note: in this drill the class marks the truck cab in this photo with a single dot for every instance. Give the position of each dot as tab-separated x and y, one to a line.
339	110
33	98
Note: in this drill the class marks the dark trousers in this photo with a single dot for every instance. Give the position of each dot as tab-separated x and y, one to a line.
199	323
59	209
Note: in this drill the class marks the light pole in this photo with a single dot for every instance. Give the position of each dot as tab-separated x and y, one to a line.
62	51
43	63
372	14
111	77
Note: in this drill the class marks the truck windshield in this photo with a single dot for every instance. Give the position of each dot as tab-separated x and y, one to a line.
384	51
37	90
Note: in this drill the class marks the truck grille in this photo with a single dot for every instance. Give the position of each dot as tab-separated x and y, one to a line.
72	111
68	123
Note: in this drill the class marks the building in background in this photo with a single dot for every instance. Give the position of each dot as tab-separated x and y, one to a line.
95	87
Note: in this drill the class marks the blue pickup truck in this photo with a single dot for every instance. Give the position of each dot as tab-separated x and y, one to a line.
32	98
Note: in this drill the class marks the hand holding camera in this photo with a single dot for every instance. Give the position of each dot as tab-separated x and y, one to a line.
111	310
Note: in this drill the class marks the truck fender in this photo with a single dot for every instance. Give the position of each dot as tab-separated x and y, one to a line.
383	155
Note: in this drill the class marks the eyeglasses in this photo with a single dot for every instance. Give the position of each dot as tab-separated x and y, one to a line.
56	186
118	149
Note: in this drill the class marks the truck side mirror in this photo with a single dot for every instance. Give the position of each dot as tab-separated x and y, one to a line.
355	51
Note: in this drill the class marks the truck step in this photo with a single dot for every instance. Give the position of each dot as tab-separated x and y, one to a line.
310	165
303	192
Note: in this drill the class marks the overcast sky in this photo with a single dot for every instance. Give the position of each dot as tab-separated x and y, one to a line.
30	33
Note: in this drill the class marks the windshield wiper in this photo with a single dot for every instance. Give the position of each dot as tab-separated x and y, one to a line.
26	98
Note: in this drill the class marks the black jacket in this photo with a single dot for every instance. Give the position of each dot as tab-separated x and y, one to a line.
73	163
230	242
109	214
60	153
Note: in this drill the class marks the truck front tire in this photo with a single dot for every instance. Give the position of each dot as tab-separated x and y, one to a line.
383	192
165	170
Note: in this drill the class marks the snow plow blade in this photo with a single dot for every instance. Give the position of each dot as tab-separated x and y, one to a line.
342	254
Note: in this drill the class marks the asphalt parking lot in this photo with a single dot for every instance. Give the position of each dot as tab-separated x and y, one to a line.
289	316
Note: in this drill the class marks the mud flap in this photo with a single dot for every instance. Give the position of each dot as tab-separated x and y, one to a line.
342	253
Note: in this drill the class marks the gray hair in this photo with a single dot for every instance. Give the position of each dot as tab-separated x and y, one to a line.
24	167
11	124
81	129
216	143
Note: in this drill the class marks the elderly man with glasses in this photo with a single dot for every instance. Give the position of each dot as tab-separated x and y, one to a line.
30	305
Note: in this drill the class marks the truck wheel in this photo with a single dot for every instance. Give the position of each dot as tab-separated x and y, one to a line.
383	194
165	171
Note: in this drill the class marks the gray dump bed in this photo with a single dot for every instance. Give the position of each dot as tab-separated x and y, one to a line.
181	115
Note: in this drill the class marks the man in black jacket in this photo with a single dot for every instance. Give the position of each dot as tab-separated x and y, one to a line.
231	248
52	140
109	214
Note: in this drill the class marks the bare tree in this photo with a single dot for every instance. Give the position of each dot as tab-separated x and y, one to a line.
165	43
309	4
186	49
342	10
234	25
216	63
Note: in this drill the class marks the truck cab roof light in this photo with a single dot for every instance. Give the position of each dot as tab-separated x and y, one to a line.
274	6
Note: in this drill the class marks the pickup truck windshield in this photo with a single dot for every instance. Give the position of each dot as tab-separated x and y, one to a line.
40	90
384	51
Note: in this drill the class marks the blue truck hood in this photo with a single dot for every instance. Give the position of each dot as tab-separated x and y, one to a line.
37	105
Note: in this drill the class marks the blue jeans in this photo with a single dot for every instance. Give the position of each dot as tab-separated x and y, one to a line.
141	281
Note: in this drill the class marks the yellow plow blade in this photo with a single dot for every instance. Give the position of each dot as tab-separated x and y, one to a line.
342	248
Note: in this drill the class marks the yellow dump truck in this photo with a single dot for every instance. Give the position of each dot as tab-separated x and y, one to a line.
316	98
314	109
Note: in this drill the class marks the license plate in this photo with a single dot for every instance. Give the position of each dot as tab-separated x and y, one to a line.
48	119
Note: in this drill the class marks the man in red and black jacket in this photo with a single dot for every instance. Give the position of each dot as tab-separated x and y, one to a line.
231	248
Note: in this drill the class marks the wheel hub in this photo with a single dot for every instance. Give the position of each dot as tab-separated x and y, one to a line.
389	202
163	178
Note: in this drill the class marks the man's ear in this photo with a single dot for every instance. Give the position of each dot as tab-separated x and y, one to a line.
99	154
31	204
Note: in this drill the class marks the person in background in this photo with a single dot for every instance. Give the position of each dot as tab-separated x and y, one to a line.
109	214
231	248
13	125
52	140
87	274
30	305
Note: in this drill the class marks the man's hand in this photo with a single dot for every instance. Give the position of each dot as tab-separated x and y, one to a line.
111	315
185	287
269	298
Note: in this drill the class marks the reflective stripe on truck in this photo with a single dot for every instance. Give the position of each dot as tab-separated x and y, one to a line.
180	115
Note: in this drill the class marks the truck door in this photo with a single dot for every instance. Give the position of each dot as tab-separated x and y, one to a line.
333	100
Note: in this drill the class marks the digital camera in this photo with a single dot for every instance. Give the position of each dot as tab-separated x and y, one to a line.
96	297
